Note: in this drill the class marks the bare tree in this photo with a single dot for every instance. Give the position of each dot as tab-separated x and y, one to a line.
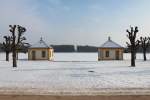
133	45
7	46
144	42
17	38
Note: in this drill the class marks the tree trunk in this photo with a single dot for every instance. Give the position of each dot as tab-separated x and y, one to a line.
7	56
14	59
16	55
144	55
132	58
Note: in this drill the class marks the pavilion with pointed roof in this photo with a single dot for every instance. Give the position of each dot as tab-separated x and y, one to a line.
40	51
110	50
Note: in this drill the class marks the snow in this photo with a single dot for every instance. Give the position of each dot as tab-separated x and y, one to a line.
74	73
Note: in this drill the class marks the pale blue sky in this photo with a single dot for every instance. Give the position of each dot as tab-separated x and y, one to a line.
85	22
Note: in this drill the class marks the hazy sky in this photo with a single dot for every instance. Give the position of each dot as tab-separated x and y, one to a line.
85	22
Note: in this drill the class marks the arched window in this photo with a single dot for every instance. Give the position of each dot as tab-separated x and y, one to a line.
107	54
43	54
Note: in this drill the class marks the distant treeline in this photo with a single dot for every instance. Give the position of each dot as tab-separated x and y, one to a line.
87	49
72	48
63	48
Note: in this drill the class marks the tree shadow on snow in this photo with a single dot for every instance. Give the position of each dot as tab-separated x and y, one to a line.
23	59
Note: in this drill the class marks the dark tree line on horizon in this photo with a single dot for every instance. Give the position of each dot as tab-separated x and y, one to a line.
73	48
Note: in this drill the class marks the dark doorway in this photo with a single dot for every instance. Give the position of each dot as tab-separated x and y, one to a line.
33	55
117	55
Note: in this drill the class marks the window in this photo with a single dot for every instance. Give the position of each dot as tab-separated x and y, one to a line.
107	53
33	55
43	54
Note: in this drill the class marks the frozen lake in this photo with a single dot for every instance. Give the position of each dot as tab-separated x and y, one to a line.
74	73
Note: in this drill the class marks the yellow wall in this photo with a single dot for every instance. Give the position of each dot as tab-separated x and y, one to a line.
101	53
49	53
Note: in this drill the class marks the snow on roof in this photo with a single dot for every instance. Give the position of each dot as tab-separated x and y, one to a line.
40	44
110	44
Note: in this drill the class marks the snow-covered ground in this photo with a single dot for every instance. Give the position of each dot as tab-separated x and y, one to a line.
74	73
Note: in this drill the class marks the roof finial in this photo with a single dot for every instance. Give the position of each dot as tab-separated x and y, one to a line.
109	38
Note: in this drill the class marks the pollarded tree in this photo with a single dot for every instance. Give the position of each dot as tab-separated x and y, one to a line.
21	46
17	39
134	43
7	46
144	42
